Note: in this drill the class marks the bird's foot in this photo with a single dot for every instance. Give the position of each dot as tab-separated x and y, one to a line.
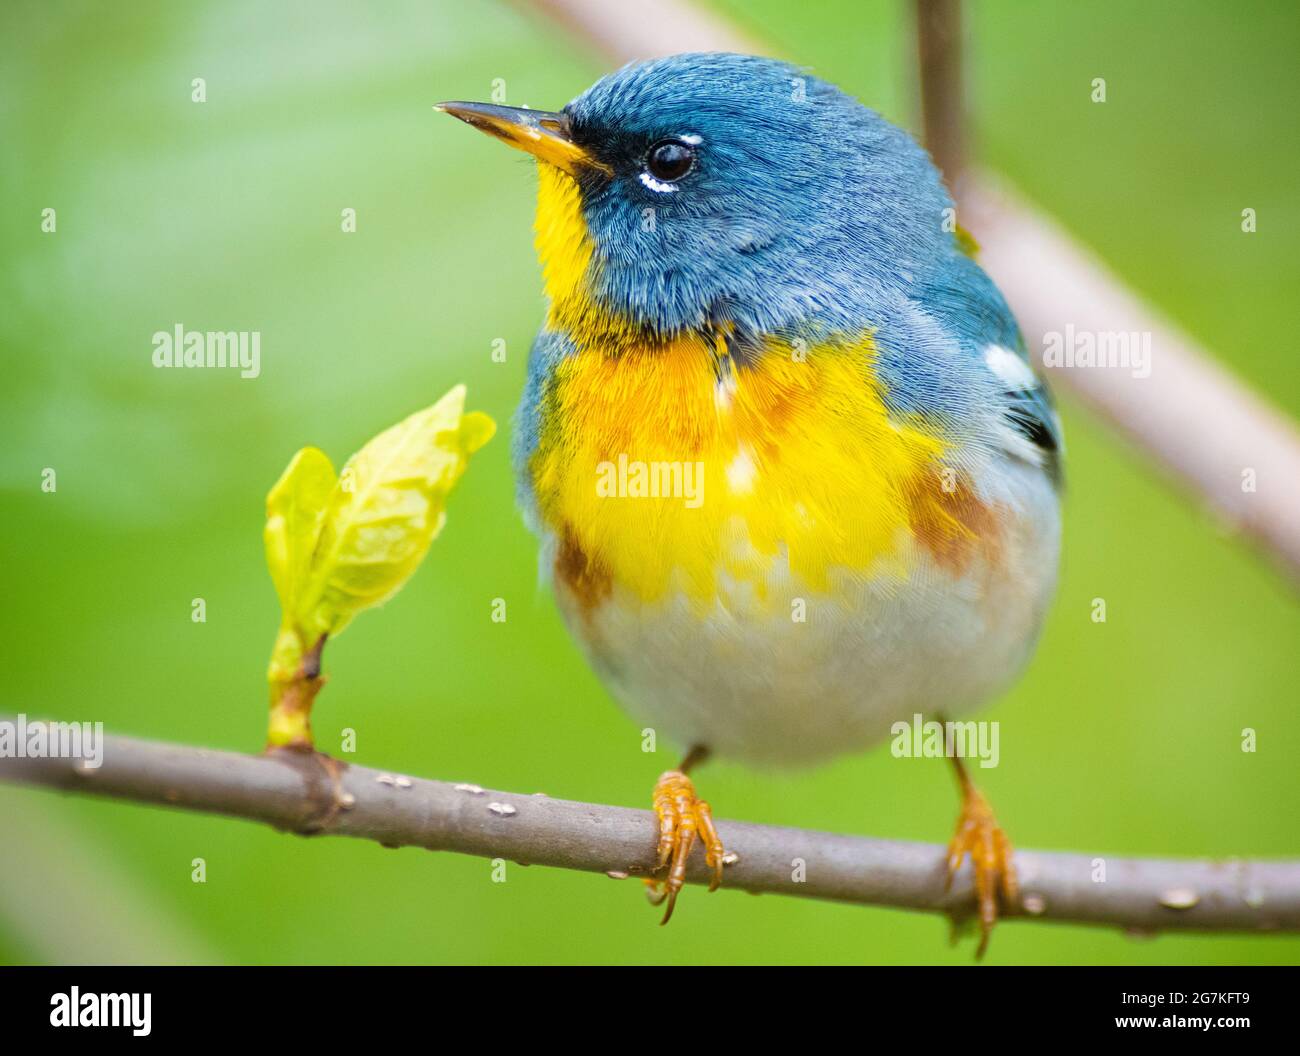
979	835
683	817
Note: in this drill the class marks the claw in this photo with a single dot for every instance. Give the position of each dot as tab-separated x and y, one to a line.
683	818
979	836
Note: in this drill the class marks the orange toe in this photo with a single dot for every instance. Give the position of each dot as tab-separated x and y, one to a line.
979	835
683	819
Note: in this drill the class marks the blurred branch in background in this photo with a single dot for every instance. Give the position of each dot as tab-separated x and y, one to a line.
1222	442
938	49
309	794
56	878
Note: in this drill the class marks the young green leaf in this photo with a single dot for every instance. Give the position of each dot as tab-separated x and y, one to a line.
384	511
294	511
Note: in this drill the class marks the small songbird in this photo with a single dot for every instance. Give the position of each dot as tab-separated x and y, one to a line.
794	476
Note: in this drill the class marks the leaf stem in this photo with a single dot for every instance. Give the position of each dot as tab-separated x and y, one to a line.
292	698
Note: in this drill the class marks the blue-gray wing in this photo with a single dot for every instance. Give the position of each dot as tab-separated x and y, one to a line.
960	352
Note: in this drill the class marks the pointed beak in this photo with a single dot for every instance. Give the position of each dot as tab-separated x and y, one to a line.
540	132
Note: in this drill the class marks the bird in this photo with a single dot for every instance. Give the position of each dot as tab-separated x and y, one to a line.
793	473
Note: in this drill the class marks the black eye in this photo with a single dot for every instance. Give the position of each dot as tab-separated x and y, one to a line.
670	160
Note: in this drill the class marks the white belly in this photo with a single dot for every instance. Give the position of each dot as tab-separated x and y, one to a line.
757	683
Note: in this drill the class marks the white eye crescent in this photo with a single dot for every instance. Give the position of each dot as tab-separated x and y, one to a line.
657	185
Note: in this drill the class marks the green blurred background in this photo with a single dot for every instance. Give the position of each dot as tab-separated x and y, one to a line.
1123	738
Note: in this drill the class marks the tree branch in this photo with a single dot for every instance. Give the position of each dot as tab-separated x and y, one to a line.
297	792
938	48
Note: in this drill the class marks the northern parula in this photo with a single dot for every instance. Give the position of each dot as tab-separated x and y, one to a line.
795	478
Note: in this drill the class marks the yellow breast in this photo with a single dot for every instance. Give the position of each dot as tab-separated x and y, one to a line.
663	471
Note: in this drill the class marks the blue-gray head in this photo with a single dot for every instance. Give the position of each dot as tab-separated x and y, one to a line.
720	187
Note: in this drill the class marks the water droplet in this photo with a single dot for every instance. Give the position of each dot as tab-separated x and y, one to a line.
616	874
730	858
503	810
1179	898
402	782
384	779
1035	905
473	790
347	800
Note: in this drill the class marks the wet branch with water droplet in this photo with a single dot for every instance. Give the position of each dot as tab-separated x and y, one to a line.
301	793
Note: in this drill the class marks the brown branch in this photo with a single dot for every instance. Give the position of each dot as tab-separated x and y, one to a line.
298	792
938	46
1203	426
